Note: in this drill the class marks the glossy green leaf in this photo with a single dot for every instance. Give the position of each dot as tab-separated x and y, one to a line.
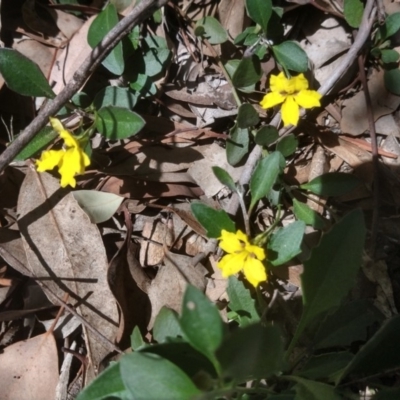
247	73
266	135
304	213
291	56
312	390
114	96
287	145
331	270
241	302
332	184
41	140
212	220
391	79
224	177
391	26
99	206
389	56
353	11
285	243
265	176
247	116
166	325
238	145
137	341
102	24
118	123
253	352
260	12
210	29
107	385
23	76
201	323
148	376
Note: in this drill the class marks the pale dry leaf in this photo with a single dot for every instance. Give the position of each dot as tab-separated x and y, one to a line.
12	250
67	23
232	15
386	125
29	369
62	243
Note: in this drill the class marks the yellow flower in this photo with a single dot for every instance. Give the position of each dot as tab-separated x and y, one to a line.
242	256
70	160
292	93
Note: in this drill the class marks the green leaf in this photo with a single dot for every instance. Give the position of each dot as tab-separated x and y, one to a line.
286	243
212	220
264	177
99	206
224	177
241	302
348	324
391	79
114	96
253	352
238	145
353	12
311	390
144	85
148	376
391	26
291	56
41	140
210	29
332	184
380	353
23	76
166	325
81	100
108	384
260	12
137	341
155	61
287	145
332	268
247	73
304	213
266	135
102	24
118	123
389	56
247	116
201	323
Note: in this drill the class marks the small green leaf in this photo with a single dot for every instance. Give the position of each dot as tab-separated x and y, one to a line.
332	184
247	116
201	323
291	56
210	29
389	56
241	302
260	12
102	24
266	135
81	99
247	73
23	76
391	26
99	206
107	385
224	177
264	176
114	96
155	61
391	79
148	376
304	213
144	85
41	140
137	341
253	352
212	220
312	390
287	145
118	123
286	243
353	11
166	325
238	145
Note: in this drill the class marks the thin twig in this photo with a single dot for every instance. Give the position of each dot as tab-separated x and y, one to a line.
143	10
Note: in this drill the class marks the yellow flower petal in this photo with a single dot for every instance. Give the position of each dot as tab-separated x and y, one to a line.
290	111
279	83
272	99
56	125
231	264
230	242
71	165
49	160
300	83
257	251
308	98
242	237
254	271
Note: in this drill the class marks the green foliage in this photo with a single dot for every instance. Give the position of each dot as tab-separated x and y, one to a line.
210	29
166	325
291	56
224	177
247	73
287	145
390	27
260	11
392	81
353	12
304	213
247	116
238	145
266	135
114	96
